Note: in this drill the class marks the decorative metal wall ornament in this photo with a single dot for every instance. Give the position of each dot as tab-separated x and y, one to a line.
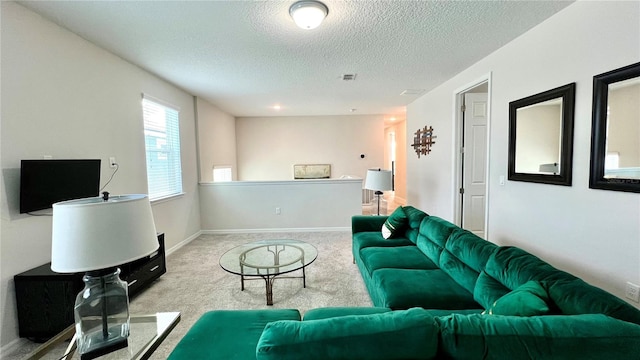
423	140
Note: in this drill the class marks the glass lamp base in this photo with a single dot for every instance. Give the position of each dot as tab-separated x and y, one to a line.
102	348
102	314
379	206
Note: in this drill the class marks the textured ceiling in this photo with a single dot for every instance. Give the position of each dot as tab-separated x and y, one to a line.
246	56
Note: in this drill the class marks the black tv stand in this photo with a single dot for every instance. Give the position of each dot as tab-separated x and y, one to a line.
45	299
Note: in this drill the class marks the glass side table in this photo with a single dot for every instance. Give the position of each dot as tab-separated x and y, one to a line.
146	333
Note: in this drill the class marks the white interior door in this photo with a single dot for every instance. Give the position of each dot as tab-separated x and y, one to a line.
474	167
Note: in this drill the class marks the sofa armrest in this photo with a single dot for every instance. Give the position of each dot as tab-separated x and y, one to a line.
364	223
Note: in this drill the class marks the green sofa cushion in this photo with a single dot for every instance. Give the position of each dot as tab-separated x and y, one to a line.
488	290
434	233
441	312
395	225
569	295
528	299
577	297
330	312
414	216
228	334
465	256
370	239
512	267
410	334
430	289
400	257
471	249
592	336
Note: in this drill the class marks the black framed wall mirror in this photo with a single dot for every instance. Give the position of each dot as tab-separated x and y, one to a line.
615	130
541	137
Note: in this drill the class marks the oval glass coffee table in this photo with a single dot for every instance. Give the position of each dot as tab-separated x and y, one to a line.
267	259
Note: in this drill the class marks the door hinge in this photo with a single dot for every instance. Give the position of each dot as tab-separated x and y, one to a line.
463	108
462	150
461	190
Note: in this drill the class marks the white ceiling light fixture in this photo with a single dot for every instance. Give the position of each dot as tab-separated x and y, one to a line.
308	14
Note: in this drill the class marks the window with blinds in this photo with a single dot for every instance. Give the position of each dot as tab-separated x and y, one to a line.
162	146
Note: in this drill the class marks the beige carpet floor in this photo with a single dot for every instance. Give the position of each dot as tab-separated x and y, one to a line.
195	283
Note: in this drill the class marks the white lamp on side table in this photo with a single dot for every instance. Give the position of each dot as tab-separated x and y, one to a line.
379	180
96	235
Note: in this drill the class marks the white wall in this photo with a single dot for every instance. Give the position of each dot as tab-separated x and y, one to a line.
305	205
216	139
64	97
267	148
593	234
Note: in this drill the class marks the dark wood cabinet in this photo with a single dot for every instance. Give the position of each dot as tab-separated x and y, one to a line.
45	299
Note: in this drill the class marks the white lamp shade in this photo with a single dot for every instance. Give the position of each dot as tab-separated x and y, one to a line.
308	14
93	234
379	180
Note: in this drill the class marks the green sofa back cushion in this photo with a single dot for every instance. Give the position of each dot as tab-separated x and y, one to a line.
577	297
512	267
433	235
464	256
414	216
406	334
593	336
488	290
528	299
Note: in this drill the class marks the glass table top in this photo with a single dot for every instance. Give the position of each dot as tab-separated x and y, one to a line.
146	332
268	257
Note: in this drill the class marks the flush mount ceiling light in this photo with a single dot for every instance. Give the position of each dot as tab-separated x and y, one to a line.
308	14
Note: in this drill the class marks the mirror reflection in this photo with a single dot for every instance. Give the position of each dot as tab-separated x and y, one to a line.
541	137
538	134
622	160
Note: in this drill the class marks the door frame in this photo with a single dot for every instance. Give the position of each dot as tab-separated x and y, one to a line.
458	131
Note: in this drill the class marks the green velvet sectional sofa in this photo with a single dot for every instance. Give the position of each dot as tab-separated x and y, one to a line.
439	292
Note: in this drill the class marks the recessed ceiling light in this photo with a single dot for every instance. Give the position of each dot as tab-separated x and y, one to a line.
392	119
276	107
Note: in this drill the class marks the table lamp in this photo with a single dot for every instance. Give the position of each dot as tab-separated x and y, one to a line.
378	180
96	235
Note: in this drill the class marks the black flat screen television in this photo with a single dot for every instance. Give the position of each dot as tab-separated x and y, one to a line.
45	182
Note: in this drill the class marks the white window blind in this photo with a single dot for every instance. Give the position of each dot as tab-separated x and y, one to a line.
162	145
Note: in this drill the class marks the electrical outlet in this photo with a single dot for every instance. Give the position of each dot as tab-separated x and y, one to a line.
633	292
112	162
277	211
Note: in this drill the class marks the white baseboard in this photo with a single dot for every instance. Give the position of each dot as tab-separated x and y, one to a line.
286	230
183	243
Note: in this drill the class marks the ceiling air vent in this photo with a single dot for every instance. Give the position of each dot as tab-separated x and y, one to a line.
349	77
